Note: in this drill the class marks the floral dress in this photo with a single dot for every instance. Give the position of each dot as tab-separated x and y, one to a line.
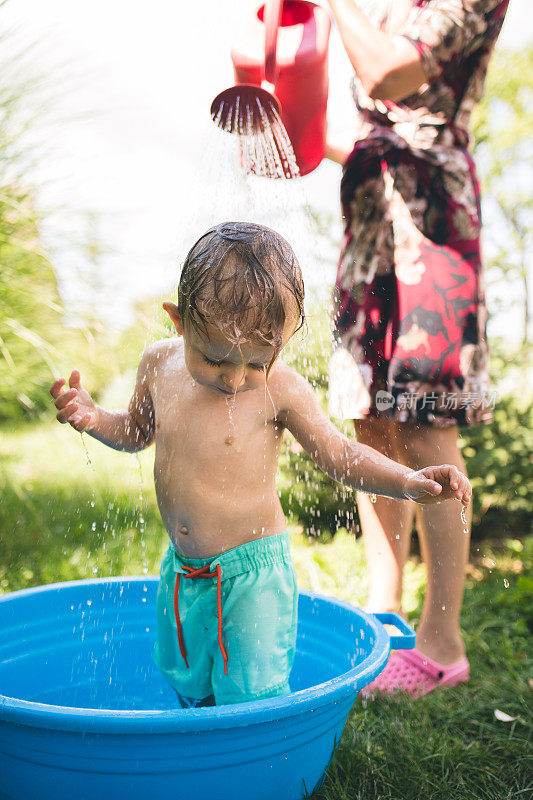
409	302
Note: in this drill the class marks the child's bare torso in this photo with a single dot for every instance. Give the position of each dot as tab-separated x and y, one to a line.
215	460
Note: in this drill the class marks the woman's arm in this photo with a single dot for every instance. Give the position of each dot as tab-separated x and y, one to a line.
389	67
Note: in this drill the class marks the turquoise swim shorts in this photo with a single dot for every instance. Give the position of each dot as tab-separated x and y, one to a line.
226	626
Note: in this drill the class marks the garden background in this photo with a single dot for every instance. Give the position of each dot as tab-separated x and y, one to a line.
72	509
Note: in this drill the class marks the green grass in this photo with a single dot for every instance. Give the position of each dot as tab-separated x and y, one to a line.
447	745
64	519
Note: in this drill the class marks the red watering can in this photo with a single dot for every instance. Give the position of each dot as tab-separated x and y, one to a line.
280	59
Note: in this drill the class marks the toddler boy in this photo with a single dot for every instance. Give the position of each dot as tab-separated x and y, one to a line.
216	401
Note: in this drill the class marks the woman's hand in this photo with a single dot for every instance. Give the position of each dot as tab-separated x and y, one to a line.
434	484
75	405
337	151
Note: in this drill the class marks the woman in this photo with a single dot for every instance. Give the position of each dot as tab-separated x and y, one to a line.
409	298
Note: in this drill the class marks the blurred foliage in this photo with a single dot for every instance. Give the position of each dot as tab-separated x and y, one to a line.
498	455
37	341
39	338
498	458
30	306
503	136
30	309
309	497
507	104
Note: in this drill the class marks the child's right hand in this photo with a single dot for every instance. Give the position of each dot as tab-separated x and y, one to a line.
75	405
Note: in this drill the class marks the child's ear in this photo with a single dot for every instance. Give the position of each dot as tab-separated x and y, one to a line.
175	316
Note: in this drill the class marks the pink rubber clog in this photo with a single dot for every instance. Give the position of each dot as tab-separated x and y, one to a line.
415	673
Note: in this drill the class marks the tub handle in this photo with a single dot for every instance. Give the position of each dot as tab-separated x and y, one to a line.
404	641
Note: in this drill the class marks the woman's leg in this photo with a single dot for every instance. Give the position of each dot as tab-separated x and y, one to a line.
386	524
443	543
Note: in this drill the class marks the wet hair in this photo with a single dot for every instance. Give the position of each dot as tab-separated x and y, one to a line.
244	279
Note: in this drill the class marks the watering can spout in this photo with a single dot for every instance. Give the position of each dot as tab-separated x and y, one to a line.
281	74
247	107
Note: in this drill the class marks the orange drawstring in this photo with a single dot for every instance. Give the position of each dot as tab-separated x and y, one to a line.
203	572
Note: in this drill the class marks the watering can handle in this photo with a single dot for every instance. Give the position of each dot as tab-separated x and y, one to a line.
272	20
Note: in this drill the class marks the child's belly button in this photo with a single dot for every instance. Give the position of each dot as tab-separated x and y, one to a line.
183	529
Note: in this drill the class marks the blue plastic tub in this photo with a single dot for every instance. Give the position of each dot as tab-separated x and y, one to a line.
84	712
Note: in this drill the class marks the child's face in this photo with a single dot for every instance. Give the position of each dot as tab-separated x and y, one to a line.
223	367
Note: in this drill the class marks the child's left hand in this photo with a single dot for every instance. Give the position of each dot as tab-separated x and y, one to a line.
434	484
